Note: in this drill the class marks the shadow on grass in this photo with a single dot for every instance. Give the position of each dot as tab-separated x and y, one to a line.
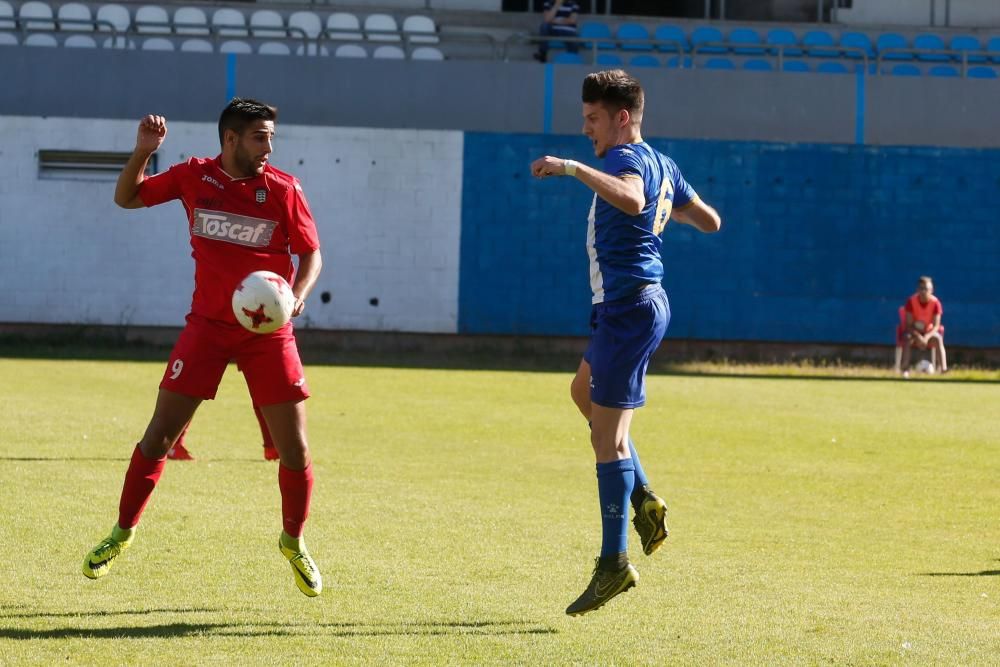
981	573
18	613
174	630
519	357
63	459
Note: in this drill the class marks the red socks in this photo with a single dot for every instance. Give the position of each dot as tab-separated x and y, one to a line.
263	427
140	480
296	490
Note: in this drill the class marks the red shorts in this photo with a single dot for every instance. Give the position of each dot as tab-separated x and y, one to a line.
270	362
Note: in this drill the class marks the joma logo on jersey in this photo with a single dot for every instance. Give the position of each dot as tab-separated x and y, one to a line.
208	179
232	228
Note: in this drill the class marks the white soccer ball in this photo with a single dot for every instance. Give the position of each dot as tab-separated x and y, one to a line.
263	302
925	366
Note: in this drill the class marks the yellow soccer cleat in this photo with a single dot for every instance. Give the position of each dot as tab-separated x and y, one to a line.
98	562
307	576
650	522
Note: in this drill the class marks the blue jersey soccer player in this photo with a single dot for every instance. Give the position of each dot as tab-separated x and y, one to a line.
635	194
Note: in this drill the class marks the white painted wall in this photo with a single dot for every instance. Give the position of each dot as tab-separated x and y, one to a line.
387	204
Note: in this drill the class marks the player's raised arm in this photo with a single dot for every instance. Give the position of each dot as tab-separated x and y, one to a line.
699	215
152	132
623	192
310	264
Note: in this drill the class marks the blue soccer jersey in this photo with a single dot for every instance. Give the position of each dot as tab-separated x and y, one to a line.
625	249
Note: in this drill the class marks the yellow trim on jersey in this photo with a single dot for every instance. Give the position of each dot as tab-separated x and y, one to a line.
631	176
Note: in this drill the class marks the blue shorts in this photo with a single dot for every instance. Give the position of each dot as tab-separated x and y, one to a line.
623	336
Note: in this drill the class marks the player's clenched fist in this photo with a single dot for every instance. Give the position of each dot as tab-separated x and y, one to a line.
152	132
548	166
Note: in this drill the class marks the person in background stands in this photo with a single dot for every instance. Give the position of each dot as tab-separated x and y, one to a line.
558	20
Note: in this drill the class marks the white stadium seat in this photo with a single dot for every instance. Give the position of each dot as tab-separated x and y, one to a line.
230	22
119	43
420	30
388	52
7	39
75	16
190	21
376	23
350	51
274	49
36	15
116	15
311	50
307	22
158	44
235	46
267	23
40	40
343	26
196	46
79	42
155	19
426	53
6	16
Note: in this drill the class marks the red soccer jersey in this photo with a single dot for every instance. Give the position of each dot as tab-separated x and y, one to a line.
924	312
237	226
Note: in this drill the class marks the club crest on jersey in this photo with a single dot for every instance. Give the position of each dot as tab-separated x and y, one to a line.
261	195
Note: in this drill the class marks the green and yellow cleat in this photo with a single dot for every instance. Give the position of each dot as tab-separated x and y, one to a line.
98	562
307	576
603	586
650	522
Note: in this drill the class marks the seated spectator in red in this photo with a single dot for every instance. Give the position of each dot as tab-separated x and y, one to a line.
923	328
558	20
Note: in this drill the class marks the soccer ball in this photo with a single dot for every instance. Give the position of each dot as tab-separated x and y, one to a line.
925	366
263	302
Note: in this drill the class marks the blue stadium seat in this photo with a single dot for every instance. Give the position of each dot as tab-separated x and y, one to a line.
719	63
644	60
832	68
704	35
892	40
758	65
795	66
746	36
786	39
820	43
981	72
994	46
599	32
567	58
905	69
608	59
930	42
855	43
671	33
965	43
943	70
679	63
627	31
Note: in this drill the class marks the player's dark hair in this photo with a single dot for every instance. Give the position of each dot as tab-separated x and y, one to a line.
616	89
925	280
242	111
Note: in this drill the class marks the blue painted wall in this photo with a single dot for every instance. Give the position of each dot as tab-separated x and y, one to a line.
820	243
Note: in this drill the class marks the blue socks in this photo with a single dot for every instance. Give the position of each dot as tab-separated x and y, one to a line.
615	481
638	489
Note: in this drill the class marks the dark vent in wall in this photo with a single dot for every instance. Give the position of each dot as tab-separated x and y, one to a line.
85	164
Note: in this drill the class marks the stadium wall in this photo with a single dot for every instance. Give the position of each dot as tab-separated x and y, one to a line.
820	243
387	204
435	231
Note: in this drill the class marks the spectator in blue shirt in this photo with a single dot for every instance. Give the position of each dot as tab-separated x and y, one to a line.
558	20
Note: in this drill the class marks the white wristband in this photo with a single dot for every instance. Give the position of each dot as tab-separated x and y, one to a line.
570	167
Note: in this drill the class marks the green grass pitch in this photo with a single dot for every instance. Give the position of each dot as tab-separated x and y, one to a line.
813	521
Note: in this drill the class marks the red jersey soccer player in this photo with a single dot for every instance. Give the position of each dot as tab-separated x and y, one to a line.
923	325
244	215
